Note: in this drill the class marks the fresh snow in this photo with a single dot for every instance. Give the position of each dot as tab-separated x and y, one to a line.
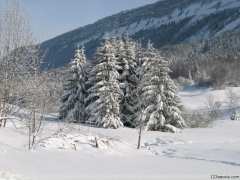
67	151
197	99
196	11
10	176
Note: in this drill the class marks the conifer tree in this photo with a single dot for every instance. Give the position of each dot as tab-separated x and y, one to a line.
161	110
73	100
127	66
172	107
105	94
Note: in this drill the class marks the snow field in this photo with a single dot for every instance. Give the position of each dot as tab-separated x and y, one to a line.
68	152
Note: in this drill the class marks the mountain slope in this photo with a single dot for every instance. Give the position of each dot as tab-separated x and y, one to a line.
164	23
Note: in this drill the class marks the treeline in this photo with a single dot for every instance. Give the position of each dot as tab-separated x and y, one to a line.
213	62
126	85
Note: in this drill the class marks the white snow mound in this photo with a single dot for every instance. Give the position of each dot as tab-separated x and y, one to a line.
11	176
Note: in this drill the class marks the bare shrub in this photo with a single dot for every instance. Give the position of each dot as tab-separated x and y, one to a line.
213	107
232	100
182	82
197	119
235	116
17	51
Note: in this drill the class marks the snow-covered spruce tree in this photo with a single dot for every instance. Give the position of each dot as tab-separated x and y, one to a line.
171	105
127	66
73	100
158	94
152	90
105	94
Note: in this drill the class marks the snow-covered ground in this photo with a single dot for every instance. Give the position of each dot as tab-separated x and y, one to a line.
197	99
10	176
67	152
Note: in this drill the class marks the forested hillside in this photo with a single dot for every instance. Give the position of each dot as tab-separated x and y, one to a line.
165	22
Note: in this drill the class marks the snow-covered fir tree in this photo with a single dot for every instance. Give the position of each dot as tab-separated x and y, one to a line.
158	94
105	94
172	107
127	64
73	100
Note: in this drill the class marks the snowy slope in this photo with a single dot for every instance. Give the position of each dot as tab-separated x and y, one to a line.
197	11
67	152
164	23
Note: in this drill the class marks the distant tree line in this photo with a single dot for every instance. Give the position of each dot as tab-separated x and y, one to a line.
213	62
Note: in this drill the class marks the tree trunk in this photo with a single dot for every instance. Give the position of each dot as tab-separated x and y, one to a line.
29	137
139	137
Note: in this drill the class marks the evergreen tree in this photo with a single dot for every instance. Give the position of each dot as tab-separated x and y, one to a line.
152	90
127	66
105	94
73	100
158	94
172	107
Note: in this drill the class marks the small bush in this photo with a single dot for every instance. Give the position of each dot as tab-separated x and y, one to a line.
235	116
183	82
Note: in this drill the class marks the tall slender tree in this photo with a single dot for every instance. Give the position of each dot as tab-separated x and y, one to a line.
127	66
73	100
17	52
105	94
172	106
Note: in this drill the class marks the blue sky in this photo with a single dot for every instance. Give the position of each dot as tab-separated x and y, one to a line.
50	18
